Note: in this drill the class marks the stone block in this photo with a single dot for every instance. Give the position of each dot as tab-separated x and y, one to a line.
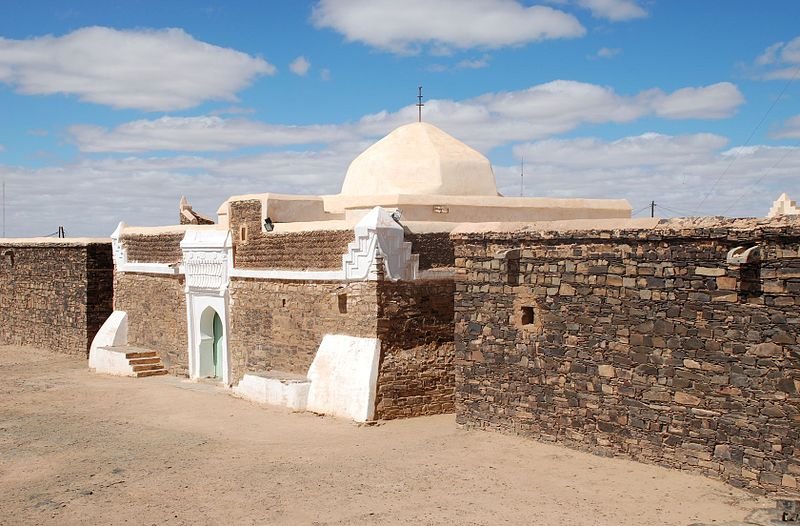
709	271
606	371
687	399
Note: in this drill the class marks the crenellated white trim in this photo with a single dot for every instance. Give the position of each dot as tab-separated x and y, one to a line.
150	268
118	251
379	250
299	275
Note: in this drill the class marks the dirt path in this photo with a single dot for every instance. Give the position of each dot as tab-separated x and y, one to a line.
81	448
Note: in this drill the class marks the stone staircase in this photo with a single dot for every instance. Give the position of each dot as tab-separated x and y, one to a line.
144	363
127	360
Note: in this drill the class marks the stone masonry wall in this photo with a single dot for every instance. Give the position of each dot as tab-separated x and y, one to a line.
159	248
312	250
415	325
54	294
638	342
435	249
156	308
280	324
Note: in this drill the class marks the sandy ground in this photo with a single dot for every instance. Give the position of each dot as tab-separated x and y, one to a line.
82	448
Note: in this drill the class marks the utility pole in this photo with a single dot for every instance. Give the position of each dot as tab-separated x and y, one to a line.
652	208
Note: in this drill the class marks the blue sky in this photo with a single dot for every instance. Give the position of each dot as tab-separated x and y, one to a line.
112	110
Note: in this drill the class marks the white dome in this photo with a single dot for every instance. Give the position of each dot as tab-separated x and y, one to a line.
420	159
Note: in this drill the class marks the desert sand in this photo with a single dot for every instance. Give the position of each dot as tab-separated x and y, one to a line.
82	448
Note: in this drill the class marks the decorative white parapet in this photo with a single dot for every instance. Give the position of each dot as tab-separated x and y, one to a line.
379	250
113	333
120	255
783	206
205	259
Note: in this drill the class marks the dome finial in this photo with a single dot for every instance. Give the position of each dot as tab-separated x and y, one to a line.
420	104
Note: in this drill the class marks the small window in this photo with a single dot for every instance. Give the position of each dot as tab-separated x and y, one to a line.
527	315
283	302
342	303
243	233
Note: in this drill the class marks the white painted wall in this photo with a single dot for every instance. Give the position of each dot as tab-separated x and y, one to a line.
344	377
273	391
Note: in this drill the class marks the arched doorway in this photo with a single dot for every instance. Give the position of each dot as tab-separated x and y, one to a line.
211	344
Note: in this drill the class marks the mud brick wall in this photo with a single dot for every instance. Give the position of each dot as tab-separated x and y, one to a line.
415	326
280	324
313	250
54	295
156	308
643	343
159	248
435	249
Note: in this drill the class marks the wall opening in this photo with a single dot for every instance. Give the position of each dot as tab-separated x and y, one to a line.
243	234
527	315
342	299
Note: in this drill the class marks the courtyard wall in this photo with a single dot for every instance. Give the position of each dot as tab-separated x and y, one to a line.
638	340
54	293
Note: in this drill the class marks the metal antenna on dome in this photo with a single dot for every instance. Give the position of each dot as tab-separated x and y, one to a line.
420	104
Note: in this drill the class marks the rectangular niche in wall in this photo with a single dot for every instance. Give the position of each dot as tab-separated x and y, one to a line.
342	299
527	315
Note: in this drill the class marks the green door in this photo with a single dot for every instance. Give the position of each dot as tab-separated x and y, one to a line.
217	349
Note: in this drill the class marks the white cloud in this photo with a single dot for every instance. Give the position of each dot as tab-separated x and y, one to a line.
606	52
150	70
642	150
90	196
780	61
614	10
325	74
300	66
197	134
487	121
790	129
404	27
675	171
475	63
708	102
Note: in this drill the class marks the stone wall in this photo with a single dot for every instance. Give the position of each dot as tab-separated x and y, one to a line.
156	308
640	342
415	325
157	248
280	324
311	250
435	249
54	294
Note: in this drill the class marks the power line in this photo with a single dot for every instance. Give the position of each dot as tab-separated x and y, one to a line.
761	178
749	138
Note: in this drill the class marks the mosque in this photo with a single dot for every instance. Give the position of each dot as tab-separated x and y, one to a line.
338	304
